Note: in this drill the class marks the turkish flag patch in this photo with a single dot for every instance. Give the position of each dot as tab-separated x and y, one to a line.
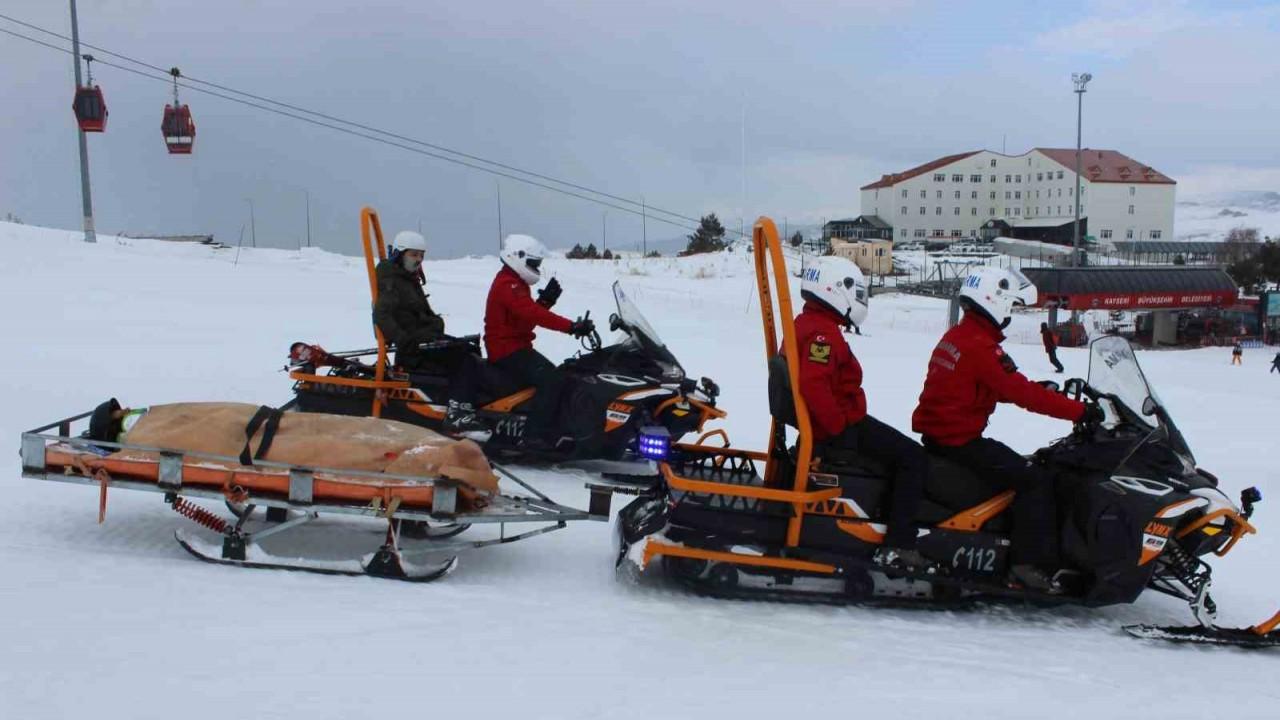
819	352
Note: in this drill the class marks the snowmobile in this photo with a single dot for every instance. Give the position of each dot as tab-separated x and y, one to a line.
623	402
1137	512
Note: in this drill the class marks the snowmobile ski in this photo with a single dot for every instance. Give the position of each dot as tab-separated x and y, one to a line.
1235	637
383	563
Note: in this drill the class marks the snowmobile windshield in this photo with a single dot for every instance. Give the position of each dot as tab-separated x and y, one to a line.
642	335
1114	371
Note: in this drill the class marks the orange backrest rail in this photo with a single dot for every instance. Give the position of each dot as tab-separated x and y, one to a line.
707	487
764	239
371	233
349	382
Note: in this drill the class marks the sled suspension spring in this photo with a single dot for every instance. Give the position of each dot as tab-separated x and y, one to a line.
198	515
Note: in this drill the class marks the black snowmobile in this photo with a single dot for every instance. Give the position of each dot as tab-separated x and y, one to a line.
622	402
1137	513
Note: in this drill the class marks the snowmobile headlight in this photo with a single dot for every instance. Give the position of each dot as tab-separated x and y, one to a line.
654	442
671	372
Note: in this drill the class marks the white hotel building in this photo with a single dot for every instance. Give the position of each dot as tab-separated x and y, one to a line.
955	196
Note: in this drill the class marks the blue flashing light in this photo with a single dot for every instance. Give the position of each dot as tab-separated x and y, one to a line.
654	442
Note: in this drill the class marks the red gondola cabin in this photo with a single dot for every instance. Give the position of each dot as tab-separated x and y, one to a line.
179	129
90	109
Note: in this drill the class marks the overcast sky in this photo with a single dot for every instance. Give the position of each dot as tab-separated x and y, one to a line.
635	98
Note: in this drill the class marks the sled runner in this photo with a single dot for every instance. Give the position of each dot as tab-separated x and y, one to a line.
415	516
623	404
782	523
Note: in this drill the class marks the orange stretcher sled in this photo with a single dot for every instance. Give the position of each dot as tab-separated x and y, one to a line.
430	509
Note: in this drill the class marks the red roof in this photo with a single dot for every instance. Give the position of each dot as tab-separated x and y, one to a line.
890	180
1107	166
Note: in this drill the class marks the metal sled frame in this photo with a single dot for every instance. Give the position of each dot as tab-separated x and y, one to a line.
240	547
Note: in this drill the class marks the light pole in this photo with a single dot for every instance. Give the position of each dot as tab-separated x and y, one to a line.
253	226
308	192
1080	80
85	198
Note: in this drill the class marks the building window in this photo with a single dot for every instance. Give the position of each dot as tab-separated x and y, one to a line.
1059	209
1017	194
924	194
1008	178
879	252
1128	234
1155	234
922	210
975	178
938	233
919	232
993	163
903	232
957	178
937	210
1039	176
1132	191
1130	209
904	210
1008	194
957	233
956	211
1059	192
904	192
1037	209
957	194
973	211
1069	191
939	177
991	212
1106	234
1017	211
973	194
1059	174
939	194
1018	178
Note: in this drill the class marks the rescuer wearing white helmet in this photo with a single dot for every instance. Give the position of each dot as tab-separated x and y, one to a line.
969	373
835	299
404	315
510	317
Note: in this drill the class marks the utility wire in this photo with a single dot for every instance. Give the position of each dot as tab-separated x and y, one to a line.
645	209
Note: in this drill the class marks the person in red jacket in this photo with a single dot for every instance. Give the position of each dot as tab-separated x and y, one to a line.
1050	346
969	373
835	296
510	316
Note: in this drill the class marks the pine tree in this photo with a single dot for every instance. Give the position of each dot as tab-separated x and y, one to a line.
709	237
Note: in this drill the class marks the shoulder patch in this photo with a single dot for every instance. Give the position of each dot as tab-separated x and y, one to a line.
819	350
1006	362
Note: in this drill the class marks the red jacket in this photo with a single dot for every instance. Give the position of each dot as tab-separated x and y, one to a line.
1050	342
968	374
510	315
830	376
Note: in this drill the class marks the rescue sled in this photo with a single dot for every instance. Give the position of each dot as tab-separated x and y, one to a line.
784	524
623	404
296	495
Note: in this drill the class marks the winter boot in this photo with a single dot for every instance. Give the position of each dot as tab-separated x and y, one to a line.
460	419
1033	578
902	558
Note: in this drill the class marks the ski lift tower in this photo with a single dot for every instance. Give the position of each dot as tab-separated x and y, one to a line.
85	198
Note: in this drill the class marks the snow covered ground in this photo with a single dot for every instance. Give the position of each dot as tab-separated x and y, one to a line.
118	622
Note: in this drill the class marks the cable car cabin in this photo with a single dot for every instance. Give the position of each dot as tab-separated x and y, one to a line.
179	129
90	109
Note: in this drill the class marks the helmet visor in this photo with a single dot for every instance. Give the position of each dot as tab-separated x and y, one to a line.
533	263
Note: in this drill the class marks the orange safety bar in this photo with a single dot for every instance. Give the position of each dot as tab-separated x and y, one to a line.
767	249
1240	527
708	487
371	232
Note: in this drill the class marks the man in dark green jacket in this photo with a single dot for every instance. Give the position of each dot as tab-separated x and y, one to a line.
405	317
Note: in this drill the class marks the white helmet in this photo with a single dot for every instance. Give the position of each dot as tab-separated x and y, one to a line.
409	240
994	291
838	284
524	254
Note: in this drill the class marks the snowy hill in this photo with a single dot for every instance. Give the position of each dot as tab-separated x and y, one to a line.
117	621
1211	217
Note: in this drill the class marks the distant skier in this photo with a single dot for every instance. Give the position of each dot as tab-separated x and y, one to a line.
1275	364
835	296
1237	354
969	374
510	316
405	317
1050	346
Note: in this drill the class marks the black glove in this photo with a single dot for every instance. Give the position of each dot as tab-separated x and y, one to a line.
1093	415
548	295
582	327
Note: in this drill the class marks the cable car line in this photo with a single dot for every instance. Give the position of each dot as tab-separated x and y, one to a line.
644	208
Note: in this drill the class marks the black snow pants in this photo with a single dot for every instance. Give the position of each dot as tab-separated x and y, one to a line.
1053	358
1035	519
456	362
528	367
906	460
